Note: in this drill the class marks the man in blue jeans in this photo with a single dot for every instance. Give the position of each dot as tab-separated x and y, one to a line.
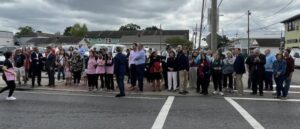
270	58
289	71
140	60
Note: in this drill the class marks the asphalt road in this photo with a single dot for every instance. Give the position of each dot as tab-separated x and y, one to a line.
296	77
65	110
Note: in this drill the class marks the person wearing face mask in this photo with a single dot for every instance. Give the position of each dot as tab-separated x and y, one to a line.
9	76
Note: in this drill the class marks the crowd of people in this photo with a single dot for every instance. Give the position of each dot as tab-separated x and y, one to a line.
177	67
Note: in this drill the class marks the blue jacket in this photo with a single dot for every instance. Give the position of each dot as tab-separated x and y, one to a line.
269	62
279	67
239	66
120	64
182	61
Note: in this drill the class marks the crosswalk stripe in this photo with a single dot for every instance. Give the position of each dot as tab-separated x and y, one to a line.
162	116
251	120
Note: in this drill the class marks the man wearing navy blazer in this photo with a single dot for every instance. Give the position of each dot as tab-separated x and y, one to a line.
36	66
120	70
50	66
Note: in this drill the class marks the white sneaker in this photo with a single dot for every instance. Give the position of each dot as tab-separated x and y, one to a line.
221	93
215	92
10	98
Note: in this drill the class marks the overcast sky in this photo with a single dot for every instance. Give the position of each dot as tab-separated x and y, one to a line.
54	15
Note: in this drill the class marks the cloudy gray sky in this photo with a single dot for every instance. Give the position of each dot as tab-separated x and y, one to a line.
54	15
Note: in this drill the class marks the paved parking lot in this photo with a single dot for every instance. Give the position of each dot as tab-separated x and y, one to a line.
69	110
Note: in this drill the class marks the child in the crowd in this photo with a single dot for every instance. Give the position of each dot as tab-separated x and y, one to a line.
172	71
68	74
100	70
109	66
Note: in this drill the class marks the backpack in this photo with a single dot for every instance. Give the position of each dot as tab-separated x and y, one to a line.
156	67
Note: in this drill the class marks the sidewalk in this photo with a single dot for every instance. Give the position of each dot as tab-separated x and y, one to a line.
60	86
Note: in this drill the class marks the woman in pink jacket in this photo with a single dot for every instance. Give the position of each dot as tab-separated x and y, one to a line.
100	70
91	71
110	72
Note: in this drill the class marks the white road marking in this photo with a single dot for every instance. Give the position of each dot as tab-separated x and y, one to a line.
162	116
86	95
290	92
266	99
255	124
291	86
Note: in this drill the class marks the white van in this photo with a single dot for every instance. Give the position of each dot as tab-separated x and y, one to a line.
295	53
109	47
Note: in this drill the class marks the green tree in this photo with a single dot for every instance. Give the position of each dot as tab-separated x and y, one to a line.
67	31
129	27
223	41
25	30
152	28
175	41
78	30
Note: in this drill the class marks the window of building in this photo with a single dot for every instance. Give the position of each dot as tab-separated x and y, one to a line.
291	26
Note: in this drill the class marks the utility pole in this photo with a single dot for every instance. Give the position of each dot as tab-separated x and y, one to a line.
195	34
160	31
248	31
201	24
214	21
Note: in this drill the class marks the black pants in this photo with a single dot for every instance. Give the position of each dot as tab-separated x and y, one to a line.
51	77
217	80
140	72
204	83
11	86
102	80
257	79
229	78
38	75
109	79
92	80
77	77
132	74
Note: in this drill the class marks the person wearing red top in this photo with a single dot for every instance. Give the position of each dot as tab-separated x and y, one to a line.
289	71
155	71
203	74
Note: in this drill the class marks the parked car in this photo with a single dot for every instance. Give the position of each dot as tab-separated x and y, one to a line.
295	53
4	49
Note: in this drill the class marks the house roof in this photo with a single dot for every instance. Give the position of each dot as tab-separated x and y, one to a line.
37	35
268	42
291	18
119	34
41	40
60	39
68	39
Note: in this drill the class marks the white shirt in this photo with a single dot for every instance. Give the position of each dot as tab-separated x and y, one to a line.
132	56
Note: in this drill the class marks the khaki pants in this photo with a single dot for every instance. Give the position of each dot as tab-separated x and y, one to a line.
183	75
239	83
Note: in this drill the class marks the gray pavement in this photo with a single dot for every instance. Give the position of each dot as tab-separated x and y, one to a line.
78	110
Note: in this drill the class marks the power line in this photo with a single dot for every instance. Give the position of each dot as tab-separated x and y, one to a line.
281	9
220	3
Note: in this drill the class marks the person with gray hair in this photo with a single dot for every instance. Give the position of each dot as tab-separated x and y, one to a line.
257	62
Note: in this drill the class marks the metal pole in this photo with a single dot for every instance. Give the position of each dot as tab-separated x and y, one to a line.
195	33
214	25
160	37
201	24
248	31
